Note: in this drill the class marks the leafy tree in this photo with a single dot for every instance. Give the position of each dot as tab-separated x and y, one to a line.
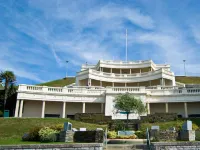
7	78
129	104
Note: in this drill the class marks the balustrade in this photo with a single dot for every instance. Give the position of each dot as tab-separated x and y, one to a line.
155	90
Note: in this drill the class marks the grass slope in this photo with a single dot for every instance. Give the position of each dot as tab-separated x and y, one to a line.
188	80
70	80
60	82
12	129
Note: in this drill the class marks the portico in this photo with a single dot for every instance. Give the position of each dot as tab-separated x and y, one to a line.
24	108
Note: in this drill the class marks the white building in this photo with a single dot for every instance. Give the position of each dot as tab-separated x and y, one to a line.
97	86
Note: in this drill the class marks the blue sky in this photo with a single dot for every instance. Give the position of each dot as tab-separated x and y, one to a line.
38	36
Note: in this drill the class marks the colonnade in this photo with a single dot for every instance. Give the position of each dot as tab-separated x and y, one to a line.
20	105
167	109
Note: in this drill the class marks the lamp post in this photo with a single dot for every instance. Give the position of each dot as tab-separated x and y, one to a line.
184	66
66	67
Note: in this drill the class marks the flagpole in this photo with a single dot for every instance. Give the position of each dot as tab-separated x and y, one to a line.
126	46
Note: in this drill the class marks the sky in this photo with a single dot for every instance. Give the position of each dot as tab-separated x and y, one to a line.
37	37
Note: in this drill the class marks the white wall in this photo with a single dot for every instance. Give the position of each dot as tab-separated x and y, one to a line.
53	108
110	111
92	107
73	108
176	108
32	109
193	108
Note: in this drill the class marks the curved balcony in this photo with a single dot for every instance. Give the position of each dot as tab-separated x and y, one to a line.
131	64
125	78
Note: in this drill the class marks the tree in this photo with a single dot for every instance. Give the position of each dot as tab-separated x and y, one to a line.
129	104
8	78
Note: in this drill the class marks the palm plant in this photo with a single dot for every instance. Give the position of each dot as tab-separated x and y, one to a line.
8	78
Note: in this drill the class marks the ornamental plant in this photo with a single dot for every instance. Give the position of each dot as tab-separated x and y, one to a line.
48	135
112	134
129	104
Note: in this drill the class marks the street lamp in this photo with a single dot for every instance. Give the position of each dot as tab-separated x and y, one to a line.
66	67
184	66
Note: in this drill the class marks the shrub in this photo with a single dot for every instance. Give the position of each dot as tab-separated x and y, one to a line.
34	134
127	137
197	135
57	127
112	134
97	118
1	113
194	126
48	135
26	137
140	134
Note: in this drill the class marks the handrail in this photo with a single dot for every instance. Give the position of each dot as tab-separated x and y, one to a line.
125	75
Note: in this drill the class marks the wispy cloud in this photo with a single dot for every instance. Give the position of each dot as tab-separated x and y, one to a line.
37	37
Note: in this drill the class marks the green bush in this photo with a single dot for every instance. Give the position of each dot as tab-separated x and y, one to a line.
127	137
112	134
140	134
159	117
58	127
1	113
197	135
48	135
97	118
34	134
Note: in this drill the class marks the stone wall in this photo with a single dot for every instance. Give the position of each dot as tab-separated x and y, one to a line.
164	135
88	146
176	145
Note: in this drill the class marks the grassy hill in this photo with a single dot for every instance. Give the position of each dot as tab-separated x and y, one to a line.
60	82
70	80
12	129
188	79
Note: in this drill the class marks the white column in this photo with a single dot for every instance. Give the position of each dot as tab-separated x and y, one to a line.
130	71
148	108
166	108
113	84
89	82
110	70
186	111
17	108
21	108
64	106
125	85
120	71
102	69
100	83
102	109
43	109
83	110
161	81
140	70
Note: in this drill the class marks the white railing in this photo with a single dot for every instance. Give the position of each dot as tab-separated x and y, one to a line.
124	62
125	90
106	74
155	90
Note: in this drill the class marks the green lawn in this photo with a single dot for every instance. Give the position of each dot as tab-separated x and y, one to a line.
12	129
188	80
59	82
70	80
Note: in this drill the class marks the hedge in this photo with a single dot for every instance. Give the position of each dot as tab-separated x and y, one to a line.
96	118
89	136
159	117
